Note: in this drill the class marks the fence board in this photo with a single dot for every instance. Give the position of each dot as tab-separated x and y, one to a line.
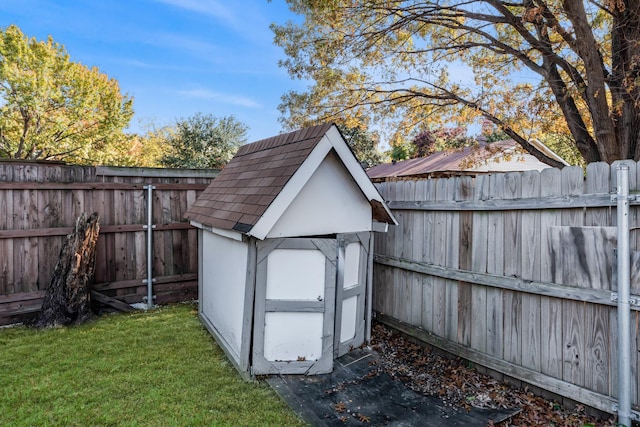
464	191
550	308
512	267
428	249
531	304
519	270
416	229
479	243
452	222
439	233
38	207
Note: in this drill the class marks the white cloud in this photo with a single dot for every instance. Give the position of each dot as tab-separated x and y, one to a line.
208	7
222	97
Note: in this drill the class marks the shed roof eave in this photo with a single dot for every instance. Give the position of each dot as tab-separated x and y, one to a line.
380	227
230	234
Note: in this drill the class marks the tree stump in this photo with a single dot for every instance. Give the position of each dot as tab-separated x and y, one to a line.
68	297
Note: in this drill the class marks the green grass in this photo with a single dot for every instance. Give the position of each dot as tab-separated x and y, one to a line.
159	368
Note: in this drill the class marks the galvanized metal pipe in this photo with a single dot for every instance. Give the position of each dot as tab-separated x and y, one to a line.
150	189
624	313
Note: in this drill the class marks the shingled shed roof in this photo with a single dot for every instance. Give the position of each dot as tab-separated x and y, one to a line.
249	184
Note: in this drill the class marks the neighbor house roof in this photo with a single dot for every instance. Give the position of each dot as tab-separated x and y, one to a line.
495	157
251	182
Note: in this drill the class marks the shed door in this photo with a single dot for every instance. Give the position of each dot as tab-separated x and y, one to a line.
295	301
353	250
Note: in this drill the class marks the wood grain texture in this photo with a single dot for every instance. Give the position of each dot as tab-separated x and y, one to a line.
480	313
531	248
513	334
536	249
39	204
550	308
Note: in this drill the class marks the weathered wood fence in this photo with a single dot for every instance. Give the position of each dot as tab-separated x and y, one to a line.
513	272
39	203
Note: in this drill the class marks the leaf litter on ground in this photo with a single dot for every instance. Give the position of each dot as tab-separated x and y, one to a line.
460	386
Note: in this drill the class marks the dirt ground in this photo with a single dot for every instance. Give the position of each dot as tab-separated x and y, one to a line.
461	386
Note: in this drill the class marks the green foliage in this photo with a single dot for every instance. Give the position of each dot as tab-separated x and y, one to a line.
530	68
429	141
203	142
363	144
402	150
564	146
492	133
156	368
54	109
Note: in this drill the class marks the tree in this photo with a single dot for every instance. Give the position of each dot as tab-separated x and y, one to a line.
402	150
204	142
363	144
430	141
54	109
380	60
492	133
147	148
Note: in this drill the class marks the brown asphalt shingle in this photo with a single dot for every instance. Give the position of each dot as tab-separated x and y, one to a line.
250	182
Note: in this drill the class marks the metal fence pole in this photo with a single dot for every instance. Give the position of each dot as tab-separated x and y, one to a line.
149	227
623	294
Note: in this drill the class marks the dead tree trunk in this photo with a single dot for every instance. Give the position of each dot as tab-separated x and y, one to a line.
68	297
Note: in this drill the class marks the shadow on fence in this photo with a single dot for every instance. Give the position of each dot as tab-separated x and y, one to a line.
513	271
39	203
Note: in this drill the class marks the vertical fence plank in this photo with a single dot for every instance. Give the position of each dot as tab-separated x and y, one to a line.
25	214
386	297
439	257
451	250
6	223
512	268
550	308
406	277
597	318
428	249
480	242
49	209
417	231
464	191
495	265
531	304
573	312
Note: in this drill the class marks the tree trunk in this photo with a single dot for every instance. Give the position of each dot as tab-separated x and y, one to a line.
68	297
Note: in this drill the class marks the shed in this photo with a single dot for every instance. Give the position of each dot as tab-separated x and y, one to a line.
285	252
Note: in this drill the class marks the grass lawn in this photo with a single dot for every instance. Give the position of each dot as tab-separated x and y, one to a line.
159	368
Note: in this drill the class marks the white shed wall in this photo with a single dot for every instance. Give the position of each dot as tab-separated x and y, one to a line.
295	275
513	162
224	266
330	202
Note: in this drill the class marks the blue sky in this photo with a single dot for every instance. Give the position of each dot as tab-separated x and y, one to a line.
175	57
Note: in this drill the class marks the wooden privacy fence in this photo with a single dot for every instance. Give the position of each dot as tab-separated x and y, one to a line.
513	272
39	203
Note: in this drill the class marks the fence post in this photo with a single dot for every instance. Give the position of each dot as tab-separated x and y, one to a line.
149	227
623	298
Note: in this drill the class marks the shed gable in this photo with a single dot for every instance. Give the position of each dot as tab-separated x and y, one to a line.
330	202
256	188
